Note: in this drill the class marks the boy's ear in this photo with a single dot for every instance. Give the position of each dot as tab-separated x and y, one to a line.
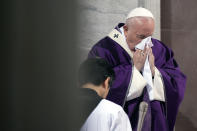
106	83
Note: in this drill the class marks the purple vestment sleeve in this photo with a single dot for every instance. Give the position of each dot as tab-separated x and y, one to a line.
123	70
123	75
174	80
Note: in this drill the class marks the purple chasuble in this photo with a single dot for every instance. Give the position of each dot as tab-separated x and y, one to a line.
160	116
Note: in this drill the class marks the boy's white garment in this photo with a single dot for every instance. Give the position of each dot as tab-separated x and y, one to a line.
107	116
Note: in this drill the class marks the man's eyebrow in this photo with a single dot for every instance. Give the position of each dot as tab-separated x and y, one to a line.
141	35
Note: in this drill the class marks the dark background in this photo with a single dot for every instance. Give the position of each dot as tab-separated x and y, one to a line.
39	54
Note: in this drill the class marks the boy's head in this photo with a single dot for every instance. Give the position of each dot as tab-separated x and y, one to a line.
97	74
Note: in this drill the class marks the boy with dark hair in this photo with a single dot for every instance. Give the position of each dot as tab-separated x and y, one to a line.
95	78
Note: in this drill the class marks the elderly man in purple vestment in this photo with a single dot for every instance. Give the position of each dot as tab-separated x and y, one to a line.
149	84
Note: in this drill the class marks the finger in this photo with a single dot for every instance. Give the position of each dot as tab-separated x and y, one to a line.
136	53
145	52
142	53
150	50
151	53
138	50
145	49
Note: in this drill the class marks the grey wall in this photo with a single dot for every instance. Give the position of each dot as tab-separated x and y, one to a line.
97	18
179	31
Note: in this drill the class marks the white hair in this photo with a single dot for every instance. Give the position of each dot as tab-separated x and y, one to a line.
142	12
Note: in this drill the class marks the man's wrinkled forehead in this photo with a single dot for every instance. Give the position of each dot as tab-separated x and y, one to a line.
143	20
140	24
139	20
